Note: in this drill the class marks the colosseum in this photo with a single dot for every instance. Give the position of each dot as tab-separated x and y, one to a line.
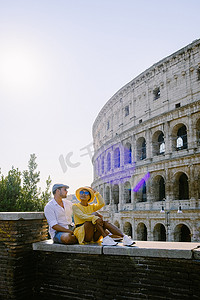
147	151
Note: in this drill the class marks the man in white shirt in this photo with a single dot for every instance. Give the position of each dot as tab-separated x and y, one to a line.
58	213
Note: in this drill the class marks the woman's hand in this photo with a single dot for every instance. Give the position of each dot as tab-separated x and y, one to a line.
97	214
99	221
92	189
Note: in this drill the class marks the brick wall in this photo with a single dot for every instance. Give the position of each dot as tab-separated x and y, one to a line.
104	275
17	267
34	268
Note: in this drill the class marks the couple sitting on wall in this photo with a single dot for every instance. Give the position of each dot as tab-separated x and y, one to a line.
89	224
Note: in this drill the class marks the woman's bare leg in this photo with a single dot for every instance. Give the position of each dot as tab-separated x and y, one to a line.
68	238
91	234
113	229
101	230
89	231
96	236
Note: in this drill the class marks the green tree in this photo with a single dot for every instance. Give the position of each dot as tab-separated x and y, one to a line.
30	193
23	194
10	190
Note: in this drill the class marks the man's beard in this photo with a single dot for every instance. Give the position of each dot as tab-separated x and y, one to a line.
63	196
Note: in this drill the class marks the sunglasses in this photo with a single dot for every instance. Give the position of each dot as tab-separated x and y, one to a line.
84	193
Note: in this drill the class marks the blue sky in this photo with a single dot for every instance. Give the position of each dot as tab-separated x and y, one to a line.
61	61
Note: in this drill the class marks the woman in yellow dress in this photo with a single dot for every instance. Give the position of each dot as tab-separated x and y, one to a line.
89	225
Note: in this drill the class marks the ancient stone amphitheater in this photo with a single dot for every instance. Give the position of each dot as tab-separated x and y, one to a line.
147	151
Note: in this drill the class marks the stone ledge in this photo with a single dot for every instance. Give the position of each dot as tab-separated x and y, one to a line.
14	216
48	245
197	253
176	250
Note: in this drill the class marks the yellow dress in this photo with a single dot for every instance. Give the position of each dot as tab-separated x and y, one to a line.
84	213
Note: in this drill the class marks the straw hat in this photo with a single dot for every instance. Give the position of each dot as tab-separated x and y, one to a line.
85	188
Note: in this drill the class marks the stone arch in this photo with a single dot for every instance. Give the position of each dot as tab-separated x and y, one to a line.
127	154
142	193
117	158
128	229
179	137
182	233
102	165
159	232
115	194
141	232
141	148
127	192
108	162
97	167
116	223
198	132
101	192
199	185
158	188
107	195
181	186
158	143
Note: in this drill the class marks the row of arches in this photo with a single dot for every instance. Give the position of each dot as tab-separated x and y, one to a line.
179	141
181	232
158	190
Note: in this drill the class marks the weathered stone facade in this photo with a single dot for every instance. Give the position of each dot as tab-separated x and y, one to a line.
147	151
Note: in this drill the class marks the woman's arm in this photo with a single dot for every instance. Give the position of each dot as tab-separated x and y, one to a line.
85	217
100	202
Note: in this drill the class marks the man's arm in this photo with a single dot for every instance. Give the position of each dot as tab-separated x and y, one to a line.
61	228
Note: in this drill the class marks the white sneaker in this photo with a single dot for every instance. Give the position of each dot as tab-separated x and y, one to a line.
108	241
127	241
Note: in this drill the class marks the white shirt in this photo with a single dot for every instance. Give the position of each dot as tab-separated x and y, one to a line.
55	214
